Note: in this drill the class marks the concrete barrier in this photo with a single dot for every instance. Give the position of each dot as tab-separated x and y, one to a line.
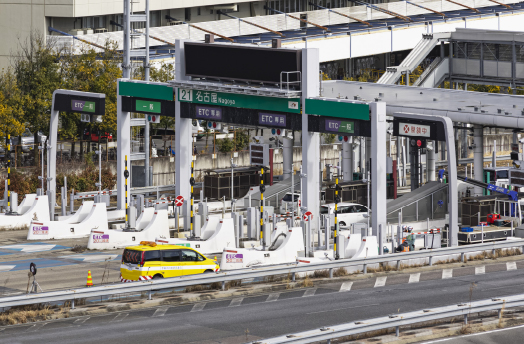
32	208
89	216
118	238
216	239
287	252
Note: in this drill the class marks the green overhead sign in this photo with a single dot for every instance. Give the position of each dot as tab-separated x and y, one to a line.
148	91
239	100
334	108
148	106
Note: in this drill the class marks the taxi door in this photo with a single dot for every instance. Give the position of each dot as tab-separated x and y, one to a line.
171	263
152	263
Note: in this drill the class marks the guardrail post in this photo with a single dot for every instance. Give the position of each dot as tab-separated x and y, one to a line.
398	264
500	313
293	276
149	294
465	319
493	251
397	331
330	273
431	261
73	305
462	257
223	285
365	268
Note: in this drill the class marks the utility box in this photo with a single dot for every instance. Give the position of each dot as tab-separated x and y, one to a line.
432	241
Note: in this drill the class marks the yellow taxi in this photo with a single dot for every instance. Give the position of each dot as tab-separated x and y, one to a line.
148	261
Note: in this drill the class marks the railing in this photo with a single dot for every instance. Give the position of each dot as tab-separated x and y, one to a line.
427	71
397	320
223	277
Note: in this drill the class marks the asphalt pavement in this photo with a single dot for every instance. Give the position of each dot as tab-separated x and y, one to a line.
512	335
248	318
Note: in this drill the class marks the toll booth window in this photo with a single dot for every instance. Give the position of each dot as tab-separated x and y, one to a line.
502	174
152	256
132	256
171	255
189	256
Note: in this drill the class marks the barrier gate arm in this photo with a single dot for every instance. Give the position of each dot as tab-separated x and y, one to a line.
513	195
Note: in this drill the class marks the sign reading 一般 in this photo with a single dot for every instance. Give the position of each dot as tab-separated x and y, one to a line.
272	120
414	129
239	100
337	126
83	106
148	106
209	113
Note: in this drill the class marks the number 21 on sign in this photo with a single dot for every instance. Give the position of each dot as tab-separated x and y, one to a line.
185	95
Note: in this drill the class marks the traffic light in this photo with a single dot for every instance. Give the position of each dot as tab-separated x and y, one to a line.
214	125
85	118
278	132
418	143
343	138
153	118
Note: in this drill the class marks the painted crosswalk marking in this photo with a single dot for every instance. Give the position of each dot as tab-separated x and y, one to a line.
236	302
480	270
346	286
381	281
272	297
81	320
511	266
160	312
447	273
309	292
120	317
198	307
414	278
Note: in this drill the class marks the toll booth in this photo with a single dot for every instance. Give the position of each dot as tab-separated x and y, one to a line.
217	183
352	192
471	206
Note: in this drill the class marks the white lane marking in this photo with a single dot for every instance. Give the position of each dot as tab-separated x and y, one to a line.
198	307
480	270
236	302
511	266
160	312
341	309
474	334
346	286
381	281
309	292
7	267
120	317
414	278
447	273
272	297
81	321
36	327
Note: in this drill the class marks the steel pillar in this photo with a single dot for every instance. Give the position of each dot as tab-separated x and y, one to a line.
183	133
310	141
287	157
347	160
478	156
378	170
430	164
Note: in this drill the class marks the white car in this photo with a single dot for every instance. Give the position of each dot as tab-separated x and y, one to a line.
286	202
348	213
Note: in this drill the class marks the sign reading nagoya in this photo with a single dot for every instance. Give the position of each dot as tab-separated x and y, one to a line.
340	126
239	100
82	105
413	129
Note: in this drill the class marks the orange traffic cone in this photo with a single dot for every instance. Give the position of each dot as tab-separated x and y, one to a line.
89	279
215	259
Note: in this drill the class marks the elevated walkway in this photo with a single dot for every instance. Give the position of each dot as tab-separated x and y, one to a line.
414	58
273	193
435	74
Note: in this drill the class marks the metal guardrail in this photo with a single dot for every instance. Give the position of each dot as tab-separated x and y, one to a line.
134	191
178	282
397	320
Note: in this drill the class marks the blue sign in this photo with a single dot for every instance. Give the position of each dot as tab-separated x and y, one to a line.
271	120
209	113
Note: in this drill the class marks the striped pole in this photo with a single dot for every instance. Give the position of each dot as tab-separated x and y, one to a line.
336	220
126	174
8	155
262	188
192	182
